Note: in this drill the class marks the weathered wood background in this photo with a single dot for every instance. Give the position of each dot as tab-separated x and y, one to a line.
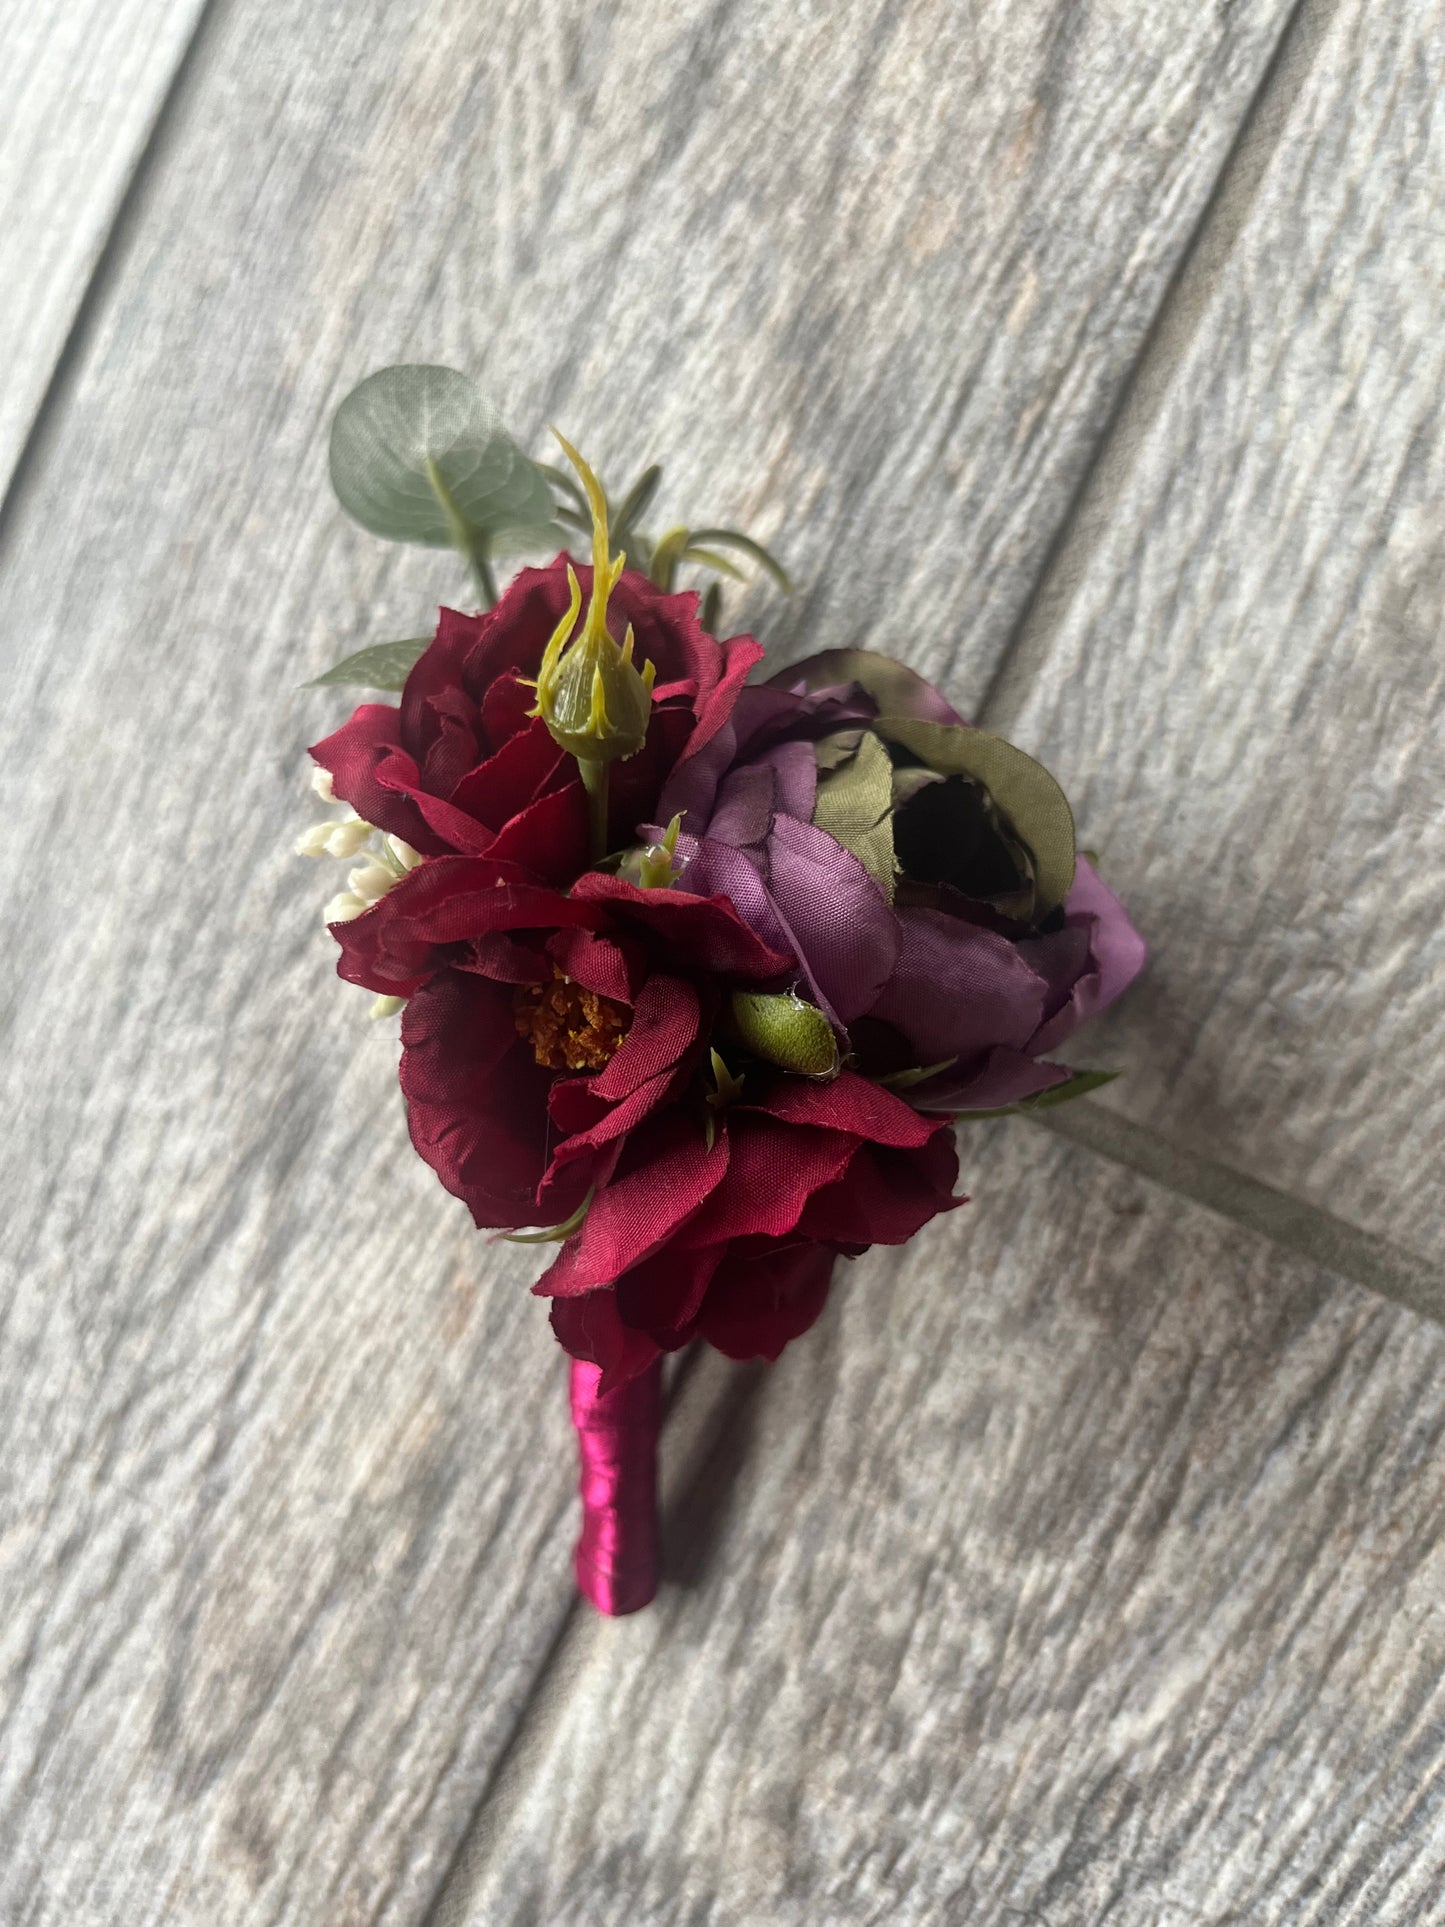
1087	1563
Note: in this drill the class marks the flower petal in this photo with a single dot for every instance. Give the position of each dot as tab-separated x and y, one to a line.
885	1196
521	770
773	1170
476	1100
589	1328
759	1300
671	1172
700	933
849	1103
959	989
838	917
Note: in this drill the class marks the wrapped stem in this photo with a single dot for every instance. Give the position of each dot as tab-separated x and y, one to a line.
616	1559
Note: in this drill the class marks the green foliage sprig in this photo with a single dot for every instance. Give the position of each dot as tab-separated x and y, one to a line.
419	455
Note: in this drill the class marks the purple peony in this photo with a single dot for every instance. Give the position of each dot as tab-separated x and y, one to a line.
922	871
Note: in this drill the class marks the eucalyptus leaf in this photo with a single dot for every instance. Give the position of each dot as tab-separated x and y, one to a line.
562	478
1078	1085
383	665
417	455
1024	792
855	807
542	538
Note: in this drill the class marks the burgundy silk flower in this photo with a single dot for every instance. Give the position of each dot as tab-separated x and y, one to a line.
460	768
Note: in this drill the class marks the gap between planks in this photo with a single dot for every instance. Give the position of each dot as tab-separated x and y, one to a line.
93	296
1204	258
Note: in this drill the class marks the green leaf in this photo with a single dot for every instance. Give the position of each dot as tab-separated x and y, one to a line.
709	560
635	504
855	807
384	665
665	557
918	1074
564	479
783	1030
1079	1085
745	545
1024	792
711	608
418	456
554	1234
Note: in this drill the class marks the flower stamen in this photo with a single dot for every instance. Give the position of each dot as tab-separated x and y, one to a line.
569	1027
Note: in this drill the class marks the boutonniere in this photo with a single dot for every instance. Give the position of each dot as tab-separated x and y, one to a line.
698	965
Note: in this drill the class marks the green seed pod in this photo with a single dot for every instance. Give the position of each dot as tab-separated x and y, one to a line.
785	1031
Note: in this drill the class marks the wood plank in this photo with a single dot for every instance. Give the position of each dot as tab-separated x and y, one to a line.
1083	1565
81	85
285	1536
1239	667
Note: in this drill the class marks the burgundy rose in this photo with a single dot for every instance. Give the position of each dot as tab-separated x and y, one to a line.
460	768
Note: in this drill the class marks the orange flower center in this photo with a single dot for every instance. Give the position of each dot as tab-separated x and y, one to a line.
569	1028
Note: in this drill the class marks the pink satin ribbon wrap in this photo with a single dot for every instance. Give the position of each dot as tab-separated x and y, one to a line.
617	1444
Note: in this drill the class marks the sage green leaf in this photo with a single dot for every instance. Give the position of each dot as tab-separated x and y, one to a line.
1025	794
897	689
785	1031
855	807
711	608
384	665
565	480
745	545
542	538
418	456
1079	1085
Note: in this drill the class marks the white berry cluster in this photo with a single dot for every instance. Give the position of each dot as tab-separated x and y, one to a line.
386	859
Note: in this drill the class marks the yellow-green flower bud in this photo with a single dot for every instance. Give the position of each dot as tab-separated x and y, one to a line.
591	694
653	866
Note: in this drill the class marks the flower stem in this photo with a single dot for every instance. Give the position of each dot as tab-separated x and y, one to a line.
616	1560
594	776
482	570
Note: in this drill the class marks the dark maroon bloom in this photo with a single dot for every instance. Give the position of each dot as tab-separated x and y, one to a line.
461	769
846	840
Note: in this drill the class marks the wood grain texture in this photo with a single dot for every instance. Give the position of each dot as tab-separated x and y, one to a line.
81	85
1083	1566
1251	617
287	1483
